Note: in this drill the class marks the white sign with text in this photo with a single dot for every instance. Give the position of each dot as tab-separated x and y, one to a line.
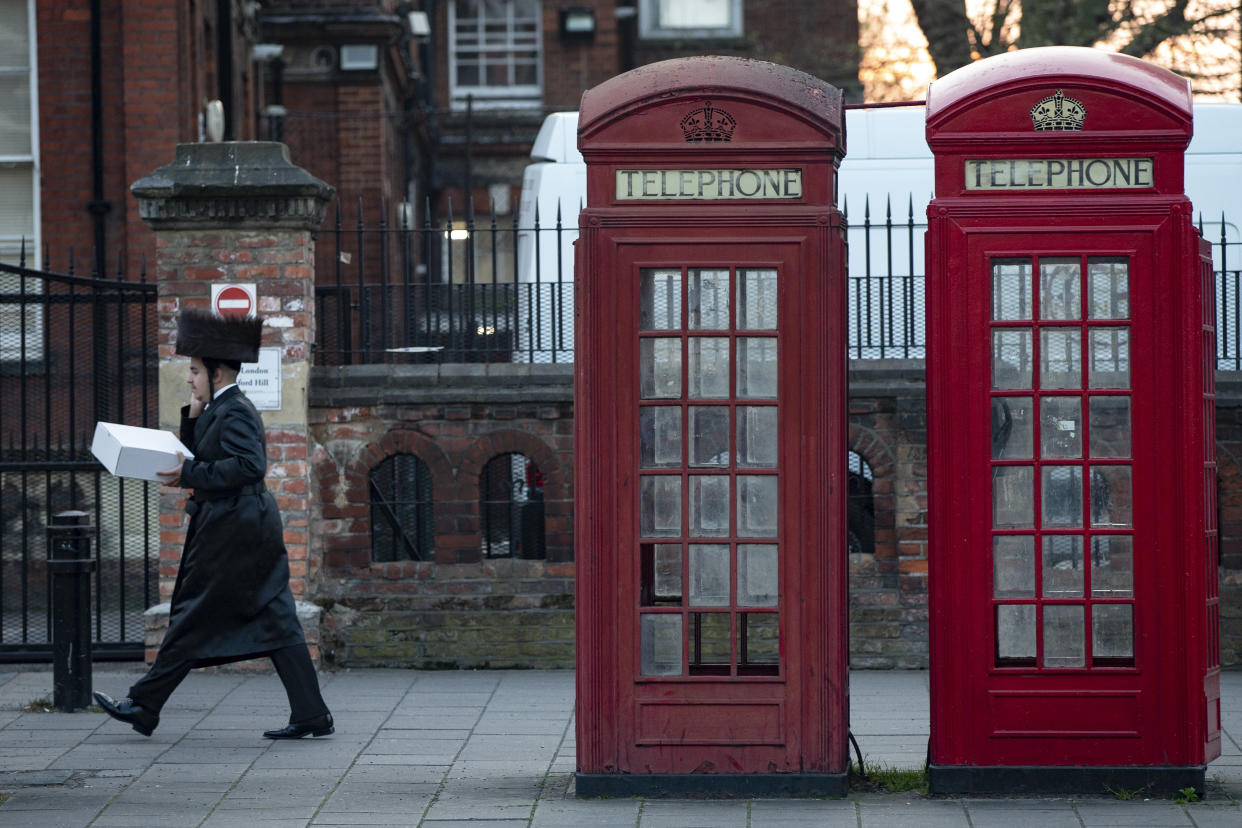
261	380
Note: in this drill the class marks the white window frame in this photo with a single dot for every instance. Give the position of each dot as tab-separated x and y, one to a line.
651	28
514	95
11	244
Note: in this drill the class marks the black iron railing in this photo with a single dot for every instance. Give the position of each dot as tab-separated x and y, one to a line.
74	350
446	290
450	290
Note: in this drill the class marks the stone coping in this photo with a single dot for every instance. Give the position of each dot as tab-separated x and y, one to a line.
251	184
503	382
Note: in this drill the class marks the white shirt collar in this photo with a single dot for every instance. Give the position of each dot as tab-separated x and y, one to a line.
220	391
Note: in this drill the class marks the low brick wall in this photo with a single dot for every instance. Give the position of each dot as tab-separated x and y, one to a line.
460	609
1229	492
493	614
464	610
888	588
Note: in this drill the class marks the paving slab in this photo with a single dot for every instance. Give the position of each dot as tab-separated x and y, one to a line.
1146	813
1022	813
467	749
658	813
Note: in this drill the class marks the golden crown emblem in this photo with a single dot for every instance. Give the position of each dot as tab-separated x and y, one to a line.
707	123
1057	112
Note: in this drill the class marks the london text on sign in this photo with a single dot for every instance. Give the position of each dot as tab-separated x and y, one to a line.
708	185
1059	173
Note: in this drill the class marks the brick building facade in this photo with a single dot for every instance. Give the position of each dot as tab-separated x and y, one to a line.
486	124
118	86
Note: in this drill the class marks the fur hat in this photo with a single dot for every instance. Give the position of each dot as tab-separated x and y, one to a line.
204	334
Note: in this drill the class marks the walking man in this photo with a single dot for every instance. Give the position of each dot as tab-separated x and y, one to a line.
231	601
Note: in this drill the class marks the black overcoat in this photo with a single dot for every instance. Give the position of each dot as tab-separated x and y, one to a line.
232	599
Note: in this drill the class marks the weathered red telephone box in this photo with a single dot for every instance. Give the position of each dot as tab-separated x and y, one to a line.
1071	443
710	408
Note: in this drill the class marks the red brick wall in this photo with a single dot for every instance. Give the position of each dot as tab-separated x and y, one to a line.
460	609
188	263
572	66
455	441
348	136
888	588
819	38
1229	492
158	68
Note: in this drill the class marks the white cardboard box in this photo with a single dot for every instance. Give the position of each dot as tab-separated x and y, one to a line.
130	451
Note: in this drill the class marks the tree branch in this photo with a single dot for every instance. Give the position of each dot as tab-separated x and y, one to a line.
945	25
1171	23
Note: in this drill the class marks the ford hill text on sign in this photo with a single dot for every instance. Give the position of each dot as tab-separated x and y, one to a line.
1059	173
708	185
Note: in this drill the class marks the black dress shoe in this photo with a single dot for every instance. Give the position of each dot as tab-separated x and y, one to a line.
125	710
318	726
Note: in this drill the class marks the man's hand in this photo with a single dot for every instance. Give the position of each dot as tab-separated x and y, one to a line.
172	477
196	406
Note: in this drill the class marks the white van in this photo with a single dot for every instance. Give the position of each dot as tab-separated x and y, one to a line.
553	193
887	171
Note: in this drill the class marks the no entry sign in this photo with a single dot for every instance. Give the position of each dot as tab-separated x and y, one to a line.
233	299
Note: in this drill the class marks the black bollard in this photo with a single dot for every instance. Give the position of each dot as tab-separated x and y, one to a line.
69	539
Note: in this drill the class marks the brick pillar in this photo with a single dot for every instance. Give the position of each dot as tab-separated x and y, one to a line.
240	212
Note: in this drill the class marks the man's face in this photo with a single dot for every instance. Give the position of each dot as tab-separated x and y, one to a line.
197	379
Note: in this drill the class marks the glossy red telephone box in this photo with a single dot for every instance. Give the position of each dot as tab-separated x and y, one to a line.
1073	579
710	447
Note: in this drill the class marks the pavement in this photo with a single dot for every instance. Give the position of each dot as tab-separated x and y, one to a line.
480	749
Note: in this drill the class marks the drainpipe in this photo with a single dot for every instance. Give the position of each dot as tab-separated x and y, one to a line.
224	63
98	206
432	171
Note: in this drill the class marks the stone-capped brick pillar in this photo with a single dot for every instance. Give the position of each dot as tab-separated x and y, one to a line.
240	212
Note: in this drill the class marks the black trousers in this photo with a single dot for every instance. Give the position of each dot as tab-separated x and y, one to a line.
293	665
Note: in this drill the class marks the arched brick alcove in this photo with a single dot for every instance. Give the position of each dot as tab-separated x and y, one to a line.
346	495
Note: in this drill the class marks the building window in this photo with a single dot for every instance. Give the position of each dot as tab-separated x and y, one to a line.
19	192
690	19
496	52
512	508
860	506
401	518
